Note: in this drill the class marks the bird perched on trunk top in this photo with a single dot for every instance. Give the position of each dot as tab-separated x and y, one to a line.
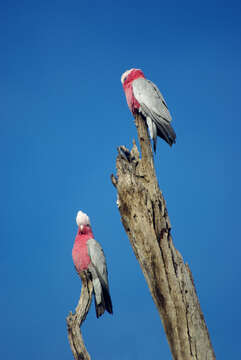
145	98
88	256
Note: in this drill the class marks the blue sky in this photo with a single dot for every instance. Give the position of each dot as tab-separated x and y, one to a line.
62	115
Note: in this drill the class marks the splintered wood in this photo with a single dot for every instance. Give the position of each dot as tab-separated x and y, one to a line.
145	218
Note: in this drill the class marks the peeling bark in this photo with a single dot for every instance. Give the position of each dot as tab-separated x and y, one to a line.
74	321
145	218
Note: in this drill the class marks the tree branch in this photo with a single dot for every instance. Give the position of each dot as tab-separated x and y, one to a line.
74	321
144	216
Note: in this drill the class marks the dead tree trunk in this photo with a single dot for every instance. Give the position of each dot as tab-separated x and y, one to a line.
74	321
144	216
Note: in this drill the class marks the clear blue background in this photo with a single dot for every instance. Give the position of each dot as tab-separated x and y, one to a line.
62	115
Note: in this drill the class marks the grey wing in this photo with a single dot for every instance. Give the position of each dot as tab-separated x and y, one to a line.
99	277
150	99
97	258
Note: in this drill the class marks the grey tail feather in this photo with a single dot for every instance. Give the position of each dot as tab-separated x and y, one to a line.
154	136
106	303
166	132
154	144
100	309
107	299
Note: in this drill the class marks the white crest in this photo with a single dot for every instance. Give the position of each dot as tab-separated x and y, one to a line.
82	219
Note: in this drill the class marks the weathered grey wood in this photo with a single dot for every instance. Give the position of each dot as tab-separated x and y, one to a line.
74	321
144	216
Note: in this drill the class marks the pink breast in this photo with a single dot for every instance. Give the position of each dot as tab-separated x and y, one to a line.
131	100
80	255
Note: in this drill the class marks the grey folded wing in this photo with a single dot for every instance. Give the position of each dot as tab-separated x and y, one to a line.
151	100
98	261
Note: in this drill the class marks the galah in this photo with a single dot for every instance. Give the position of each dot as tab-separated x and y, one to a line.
88	256
145	98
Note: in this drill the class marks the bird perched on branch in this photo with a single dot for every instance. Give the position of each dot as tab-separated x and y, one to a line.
145	98
88	256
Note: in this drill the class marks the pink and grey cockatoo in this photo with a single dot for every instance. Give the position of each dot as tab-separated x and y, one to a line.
88	256
145	98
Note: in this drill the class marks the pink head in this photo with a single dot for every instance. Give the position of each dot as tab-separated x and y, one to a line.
131	75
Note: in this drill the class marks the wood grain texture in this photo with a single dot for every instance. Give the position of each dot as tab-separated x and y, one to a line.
145	218
74	321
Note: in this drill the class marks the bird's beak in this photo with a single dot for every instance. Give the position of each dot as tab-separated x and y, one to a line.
81	227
